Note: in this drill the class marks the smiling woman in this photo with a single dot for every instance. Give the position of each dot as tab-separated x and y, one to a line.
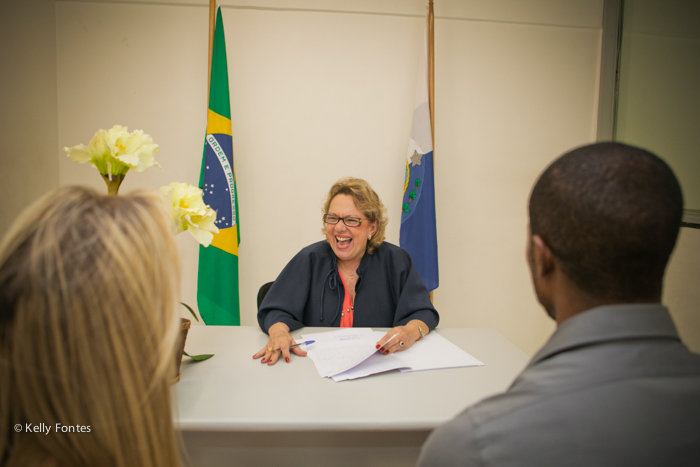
352	279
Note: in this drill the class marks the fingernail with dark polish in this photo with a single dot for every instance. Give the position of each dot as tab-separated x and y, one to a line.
378	345
286	359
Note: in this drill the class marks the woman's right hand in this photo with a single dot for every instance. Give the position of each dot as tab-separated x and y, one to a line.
279	339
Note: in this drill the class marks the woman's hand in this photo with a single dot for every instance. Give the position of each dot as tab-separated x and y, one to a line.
279	339
402	337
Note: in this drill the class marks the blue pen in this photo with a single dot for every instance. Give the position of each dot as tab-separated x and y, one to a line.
296	345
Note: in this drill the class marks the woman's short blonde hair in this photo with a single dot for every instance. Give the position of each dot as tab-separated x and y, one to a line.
88	325
366	200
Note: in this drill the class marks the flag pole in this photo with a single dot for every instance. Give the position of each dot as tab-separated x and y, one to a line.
431	84
212	27
431	73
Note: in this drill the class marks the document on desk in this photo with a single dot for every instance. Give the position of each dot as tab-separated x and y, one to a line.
337	351
351	353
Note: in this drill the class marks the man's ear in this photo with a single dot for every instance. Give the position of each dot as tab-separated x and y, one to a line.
542	257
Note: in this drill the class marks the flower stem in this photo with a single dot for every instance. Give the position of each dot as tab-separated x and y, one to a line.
113	185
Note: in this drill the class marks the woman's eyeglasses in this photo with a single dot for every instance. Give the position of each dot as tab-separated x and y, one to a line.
349	221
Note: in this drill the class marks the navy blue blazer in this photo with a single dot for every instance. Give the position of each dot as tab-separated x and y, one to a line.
309	292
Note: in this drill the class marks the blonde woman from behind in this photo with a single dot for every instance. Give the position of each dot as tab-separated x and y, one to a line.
88	290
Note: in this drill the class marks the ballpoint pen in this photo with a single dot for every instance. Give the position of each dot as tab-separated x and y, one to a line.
385	343
296	345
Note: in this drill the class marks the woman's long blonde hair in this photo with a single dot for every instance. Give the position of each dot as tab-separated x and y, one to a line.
88	289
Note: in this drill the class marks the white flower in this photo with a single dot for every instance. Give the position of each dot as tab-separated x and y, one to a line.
116	151
136	149
187	208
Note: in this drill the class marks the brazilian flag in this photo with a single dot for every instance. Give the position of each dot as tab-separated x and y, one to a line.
217	283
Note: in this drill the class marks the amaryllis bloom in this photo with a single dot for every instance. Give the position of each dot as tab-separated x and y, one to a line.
114	152
189	212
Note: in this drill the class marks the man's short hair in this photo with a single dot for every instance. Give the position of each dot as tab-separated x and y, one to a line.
610	213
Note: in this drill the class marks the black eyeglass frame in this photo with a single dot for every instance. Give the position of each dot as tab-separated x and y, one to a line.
360	221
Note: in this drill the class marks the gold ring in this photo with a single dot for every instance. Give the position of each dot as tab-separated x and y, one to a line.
269	349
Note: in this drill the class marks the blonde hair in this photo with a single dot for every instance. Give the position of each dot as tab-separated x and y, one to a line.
366	200
88	290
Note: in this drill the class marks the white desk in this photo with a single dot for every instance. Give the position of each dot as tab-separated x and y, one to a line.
233	410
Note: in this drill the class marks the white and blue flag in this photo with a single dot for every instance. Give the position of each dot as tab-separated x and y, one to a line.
418	225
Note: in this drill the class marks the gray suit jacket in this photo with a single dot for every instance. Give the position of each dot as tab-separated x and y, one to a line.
613	386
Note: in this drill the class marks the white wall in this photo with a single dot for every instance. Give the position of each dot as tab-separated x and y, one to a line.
323	89
28	125
510	99
319	92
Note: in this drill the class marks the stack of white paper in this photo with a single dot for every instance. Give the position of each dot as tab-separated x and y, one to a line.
351	353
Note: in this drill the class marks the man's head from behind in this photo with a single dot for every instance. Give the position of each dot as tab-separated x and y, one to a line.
609	214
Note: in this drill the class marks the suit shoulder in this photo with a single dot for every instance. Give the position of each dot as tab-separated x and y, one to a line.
387	248
318	251
392	253
315	249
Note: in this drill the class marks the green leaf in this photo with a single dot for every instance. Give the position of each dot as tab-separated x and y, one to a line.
191	310
199	358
